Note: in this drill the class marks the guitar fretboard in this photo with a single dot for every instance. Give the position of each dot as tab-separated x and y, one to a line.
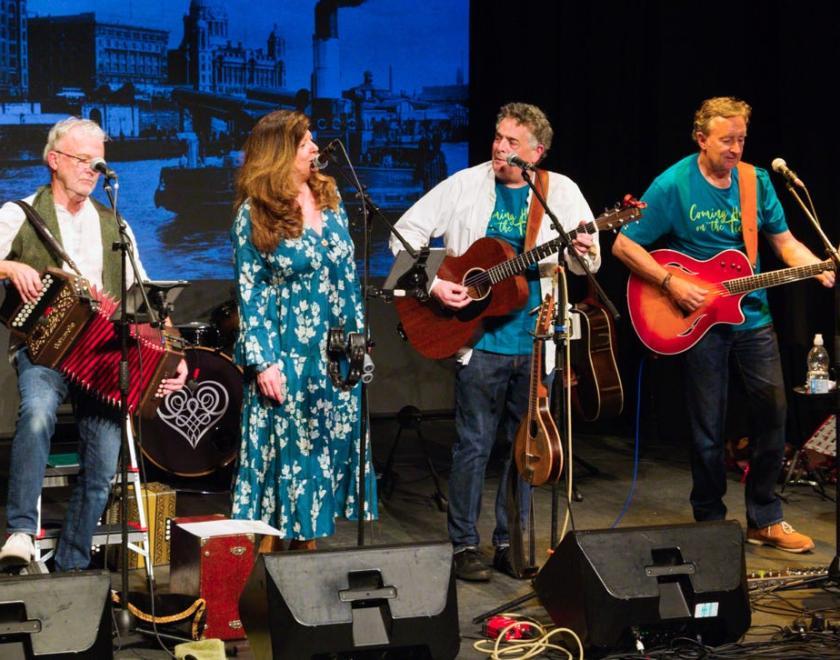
499	272
519	263
776	277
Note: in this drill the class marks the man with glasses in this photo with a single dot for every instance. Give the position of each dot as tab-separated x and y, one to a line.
87	231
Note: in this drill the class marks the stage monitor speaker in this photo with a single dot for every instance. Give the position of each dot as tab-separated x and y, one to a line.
60	615
395	601
613	585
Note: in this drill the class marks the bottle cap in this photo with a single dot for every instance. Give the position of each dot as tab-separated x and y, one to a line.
818	340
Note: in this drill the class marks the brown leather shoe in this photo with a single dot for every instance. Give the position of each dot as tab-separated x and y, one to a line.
781	536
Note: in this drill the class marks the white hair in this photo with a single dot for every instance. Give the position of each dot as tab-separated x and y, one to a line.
63	127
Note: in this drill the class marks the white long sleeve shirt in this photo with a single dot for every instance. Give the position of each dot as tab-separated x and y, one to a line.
459	209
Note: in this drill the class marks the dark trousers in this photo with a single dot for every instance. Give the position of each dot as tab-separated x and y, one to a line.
756	358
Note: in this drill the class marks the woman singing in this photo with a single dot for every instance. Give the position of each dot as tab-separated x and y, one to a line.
298	465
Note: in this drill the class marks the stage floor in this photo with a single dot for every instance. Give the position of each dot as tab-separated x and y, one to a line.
660	497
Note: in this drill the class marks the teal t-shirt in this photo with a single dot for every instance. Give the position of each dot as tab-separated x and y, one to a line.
700	220
509	335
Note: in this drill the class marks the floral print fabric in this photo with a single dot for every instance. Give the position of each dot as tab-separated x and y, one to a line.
298	464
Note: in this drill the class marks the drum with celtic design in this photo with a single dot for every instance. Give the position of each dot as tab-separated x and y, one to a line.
196	430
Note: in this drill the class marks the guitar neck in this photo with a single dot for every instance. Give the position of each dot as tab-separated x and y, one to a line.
522	261
610	220
777	277
537	387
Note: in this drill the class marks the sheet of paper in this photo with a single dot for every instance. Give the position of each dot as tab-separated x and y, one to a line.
210	528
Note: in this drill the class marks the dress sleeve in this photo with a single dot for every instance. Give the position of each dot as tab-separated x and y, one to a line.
258	334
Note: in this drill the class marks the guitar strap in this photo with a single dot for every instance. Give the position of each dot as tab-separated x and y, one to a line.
536	211
748	187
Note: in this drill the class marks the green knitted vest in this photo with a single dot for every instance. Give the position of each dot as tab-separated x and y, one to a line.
28	248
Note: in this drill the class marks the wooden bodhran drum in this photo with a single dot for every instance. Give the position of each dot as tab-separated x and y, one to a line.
196	430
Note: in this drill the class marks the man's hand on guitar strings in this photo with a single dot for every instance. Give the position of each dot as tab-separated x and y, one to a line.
450	294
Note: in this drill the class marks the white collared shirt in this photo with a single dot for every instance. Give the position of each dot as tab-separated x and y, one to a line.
81	237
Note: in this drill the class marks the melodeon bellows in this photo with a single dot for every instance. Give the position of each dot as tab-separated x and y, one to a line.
69	328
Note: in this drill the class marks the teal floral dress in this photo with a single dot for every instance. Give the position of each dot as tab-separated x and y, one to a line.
298	464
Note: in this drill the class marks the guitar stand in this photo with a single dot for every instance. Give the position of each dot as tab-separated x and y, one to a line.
410	417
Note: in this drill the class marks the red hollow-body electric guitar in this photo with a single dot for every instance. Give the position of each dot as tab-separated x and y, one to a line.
492	273
664	327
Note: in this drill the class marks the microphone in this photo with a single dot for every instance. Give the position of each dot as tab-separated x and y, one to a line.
324	157
99	165
779	165
513	159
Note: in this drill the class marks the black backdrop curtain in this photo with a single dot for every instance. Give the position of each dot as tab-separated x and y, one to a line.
620	82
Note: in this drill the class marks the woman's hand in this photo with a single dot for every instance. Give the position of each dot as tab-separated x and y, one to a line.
272	383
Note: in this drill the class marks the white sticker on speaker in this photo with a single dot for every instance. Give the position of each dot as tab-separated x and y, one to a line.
705	610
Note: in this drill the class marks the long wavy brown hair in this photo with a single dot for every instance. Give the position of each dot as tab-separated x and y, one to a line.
266	179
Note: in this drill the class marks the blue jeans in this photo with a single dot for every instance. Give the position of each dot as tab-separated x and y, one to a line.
489	390
756	357
41	392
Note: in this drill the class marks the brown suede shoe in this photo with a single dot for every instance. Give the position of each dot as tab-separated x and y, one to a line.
781	536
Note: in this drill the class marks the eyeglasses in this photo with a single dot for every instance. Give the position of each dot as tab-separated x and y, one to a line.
81	161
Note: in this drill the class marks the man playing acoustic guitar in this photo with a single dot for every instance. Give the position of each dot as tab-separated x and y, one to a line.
703	204
492	382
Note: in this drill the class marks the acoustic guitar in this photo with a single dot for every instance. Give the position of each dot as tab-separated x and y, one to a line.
598	392
537	450
491	271
664	327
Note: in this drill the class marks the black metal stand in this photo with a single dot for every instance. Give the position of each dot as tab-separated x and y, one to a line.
561	339
834	567
411	418
418	287
126	622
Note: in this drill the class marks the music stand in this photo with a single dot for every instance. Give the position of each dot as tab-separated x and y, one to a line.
410	276
156	295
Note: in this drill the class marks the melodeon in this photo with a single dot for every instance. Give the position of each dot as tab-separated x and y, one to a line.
68	327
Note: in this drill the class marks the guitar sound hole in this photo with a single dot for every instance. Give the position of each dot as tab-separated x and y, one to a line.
479	290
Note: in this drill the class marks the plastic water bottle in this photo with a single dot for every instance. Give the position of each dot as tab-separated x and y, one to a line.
817	374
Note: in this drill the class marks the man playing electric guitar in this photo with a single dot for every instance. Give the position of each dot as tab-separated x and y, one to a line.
492	382
703	204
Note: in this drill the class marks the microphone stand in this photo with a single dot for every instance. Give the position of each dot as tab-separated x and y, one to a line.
562	337
834	567
567	247
363	408
126	622
414	281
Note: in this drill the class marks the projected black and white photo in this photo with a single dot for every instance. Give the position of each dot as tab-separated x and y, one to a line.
178	85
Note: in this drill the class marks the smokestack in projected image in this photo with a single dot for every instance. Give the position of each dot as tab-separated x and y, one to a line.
326	71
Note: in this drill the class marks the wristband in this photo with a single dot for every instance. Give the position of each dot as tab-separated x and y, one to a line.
665	280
